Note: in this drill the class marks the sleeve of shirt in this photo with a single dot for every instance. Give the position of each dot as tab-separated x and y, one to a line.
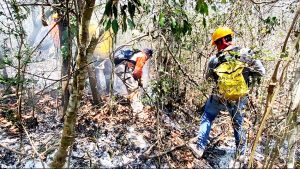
138	69
210	68
254	64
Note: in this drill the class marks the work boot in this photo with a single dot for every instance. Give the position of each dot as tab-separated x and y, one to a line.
198	152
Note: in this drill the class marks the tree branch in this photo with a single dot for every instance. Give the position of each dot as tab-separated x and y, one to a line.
12	150
33	147
273	91
264	2
180	66
41	4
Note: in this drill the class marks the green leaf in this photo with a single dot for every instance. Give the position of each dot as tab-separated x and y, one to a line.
131	9
202	7
178	11
107	24
213	7
297	46
154	18
115	26
174	23
123	8
108	10
185	27
223	1
124	24
138	2
162	20
115	11
284	55
204	22
130	23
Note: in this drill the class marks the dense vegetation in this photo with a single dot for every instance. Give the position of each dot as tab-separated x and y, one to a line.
49	82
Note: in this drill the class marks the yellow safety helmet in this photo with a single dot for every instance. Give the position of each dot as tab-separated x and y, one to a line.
220	33
55	15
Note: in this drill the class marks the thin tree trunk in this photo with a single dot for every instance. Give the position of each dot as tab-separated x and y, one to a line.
295	112
273	90
66	53
93	85
293	138
79	77
5	76
91	69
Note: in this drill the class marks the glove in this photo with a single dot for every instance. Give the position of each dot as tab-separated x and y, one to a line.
137	74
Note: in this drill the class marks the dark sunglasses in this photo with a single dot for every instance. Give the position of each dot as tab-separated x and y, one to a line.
227	38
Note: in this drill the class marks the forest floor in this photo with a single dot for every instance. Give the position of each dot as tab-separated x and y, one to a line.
113	135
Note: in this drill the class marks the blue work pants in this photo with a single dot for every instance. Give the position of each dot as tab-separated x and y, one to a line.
212	108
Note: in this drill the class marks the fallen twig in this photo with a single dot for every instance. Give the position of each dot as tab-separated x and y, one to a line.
147	152
167	151
32	145
264	2
170	149
10	149
9	95
184	110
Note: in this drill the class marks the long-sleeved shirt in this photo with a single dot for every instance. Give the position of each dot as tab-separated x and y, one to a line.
140	59
245	55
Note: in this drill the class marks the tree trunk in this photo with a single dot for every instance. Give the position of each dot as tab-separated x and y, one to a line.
65	83
91	69
5	76
93	84
273	89
293	138
293	122
79	77
66	53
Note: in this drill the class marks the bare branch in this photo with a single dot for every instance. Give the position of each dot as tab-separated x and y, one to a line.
273	90
12	150
264	2
41	4
33	147
180	67
43	38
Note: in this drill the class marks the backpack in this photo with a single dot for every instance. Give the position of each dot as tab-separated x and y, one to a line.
126	55
129	65
231	83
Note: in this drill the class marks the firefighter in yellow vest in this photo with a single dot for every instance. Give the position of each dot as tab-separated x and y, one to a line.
230	69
